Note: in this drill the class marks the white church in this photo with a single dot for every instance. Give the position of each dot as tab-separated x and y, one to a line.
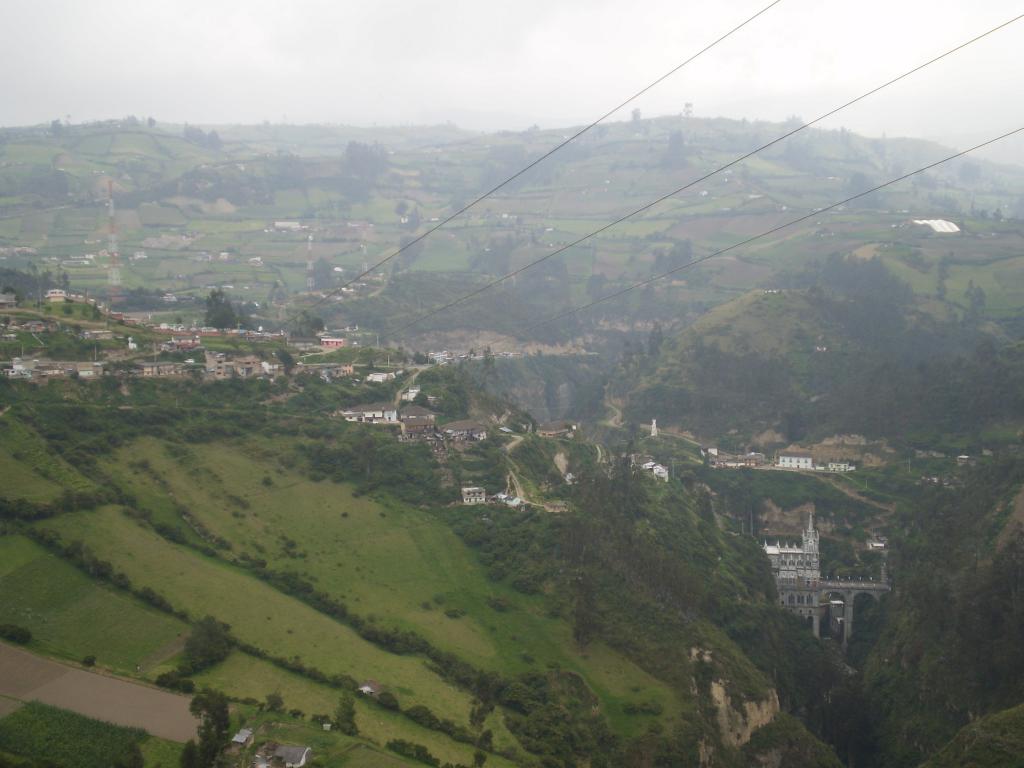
796	563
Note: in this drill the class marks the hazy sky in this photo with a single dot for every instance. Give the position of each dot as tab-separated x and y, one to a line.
508	63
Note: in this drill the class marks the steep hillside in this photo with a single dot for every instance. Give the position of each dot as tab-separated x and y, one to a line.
852	353
996	741
330	555
950	650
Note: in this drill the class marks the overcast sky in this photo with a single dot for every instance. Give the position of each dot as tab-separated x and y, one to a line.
490	64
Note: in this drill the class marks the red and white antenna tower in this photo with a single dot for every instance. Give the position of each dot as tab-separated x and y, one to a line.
114	273
309	264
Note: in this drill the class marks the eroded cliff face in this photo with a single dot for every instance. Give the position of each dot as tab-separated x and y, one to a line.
737	724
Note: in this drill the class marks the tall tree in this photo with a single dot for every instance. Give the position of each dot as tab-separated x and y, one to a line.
345	715
211	707
190	756
220	312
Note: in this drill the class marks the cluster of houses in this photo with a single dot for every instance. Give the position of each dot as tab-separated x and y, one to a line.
216	366
414	422
647	464
38	370
445	357
272	754
791	460
475	495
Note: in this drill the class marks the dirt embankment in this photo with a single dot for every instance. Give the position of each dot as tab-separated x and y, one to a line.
737	726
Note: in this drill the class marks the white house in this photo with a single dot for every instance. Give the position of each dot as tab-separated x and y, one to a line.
380	377
795	461
243	738
474	495
293	757
411	393
660	472
840	466
373	413
56	295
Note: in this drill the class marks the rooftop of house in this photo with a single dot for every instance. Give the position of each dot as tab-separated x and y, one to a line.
555	426
368	407
464	425
418	421
416	411
291	754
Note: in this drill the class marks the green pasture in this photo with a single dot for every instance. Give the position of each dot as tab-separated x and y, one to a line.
257	613
383	559
71	616
20	444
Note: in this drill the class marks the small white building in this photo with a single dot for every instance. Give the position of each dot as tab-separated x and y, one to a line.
380	377
795	461
660	472
293	757
243	738
56	296
840	466
411	393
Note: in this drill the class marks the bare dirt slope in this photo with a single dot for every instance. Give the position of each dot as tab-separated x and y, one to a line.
31	678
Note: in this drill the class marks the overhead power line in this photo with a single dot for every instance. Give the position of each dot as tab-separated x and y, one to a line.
514	273
766	233
543	157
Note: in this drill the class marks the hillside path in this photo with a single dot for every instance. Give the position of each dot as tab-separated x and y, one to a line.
405	386
844	489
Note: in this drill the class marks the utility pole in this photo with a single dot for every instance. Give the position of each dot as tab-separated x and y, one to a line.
115	259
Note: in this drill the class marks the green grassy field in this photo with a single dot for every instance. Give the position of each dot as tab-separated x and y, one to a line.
22	482
386	560
70	740
33	471
257	613
71	616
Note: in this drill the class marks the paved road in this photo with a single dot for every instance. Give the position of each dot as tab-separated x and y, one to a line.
28	677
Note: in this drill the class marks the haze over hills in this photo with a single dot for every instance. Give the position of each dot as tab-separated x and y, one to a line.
472	539
215	195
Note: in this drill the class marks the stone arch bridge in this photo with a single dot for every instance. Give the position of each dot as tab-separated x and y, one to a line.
804	597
